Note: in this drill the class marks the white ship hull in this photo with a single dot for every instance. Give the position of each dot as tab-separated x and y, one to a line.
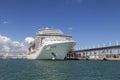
56	50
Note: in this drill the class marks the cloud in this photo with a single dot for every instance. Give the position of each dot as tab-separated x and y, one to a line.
5	22
12	47
76	1
29	39
79	1
4	39
70	28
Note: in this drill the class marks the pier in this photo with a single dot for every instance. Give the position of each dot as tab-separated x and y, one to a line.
101	53
12	56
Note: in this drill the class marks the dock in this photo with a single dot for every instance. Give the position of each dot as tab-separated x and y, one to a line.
101	53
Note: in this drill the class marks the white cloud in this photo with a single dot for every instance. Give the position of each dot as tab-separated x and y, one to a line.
79	1
70	28
29	39
76	1
4	39
11	47
5	22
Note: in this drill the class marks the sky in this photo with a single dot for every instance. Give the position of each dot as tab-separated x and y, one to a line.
90	22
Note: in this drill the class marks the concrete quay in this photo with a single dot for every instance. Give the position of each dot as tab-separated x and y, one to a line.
101	53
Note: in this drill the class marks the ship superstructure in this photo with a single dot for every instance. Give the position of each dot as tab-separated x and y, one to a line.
50	44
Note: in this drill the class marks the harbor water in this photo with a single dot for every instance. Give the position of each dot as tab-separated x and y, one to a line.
22	69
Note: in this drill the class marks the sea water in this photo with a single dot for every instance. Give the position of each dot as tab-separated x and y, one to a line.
22	69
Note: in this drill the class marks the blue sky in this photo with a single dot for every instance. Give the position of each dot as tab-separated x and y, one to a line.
90	22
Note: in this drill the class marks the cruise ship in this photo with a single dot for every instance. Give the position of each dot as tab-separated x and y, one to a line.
50	44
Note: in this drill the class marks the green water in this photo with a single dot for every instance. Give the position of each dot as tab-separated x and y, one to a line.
59	70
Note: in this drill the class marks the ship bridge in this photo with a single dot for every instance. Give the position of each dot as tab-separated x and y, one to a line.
51	32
